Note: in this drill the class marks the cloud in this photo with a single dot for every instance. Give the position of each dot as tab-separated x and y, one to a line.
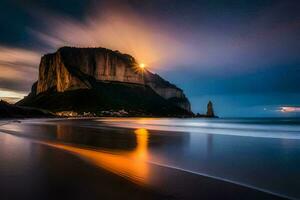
265	40
114	28
11	96
18	56
19	69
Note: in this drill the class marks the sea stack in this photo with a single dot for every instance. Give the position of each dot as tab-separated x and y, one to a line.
210	110
97	80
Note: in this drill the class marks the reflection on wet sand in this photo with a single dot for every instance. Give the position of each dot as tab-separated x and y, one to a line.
128	164
96	137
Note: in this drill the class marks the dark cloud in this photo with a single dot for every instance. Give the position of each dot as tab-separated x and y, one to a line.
19	86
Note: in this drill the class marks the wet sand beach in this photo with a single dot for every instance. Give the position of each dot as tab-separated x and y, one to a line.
90	159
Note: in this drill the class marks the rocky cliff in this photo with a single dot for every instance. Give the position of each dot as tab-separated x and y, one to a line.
167	90
76	69
70	68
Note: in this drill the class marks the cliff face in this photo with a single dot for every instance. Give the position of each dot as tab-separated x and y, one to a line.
71	69
167	90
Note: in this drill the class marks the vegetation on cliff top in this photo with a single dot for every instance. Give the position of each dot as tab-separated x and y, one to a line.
137	100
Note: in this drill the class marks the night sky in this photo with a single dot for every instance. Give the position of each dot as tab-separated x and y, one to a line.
242	55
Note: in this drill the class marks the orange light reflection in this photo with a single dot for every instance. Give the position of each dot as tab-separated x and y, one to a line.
130	165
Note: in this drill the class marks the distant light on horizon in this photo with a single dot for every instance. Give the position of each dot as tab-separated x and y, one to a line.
11	96
289	109
7	93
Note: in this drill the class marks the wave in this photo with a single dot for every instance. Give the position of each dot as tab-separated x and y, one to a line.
222	127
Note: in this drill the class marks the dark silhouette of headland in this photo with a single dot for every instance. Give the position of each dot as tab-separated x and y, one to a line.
101	82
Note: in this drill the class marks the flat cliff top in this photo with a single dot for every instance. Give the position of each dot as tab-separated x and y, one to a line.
69	51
